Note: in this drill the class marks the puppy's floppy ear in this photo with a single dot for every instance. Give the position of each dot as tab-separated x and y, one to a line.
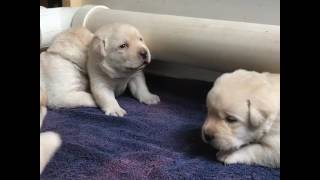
100	46
255	116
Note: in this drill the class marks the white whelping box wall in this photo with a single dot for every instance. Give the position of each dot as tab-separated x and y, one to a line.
253	11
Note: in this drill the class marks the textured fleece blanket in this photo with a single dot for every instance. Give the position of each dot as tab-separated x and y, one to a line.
152	142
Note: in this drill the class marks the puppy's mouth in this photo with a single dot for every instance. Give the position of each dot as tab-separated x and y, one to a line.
227	149
140	67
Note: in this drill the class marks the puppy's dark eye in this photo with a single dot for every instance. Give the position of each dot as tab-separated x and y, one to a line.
140	39
123	45
231	119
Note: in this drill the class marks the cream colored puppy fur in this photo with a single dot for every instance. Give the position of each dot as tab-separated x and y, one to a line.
243	119
63	69
117	56
49	141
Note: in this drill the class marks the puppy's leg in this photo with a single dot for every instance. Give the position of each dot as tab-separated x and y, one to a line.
139	90
49	143
43	104
43	112
65	84
252	154
105	98
78	99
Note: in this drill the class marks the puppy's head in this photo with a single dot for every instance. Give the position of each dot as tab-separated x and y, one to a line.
121	49
241	106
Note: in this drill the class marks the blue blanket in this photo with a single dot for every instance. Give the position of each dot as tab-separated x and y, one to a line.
152	142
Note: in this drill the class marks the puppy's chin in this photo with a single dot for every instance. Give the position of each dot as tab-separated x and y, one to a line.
139	64
120	70
128	71
137	68
225	145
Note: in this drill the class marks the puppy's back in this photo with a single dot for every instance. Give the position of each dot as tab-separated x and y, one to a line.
72	45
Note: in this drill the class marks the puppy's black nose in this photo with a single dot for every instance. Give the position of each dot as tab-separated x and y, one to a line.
144	54
208	137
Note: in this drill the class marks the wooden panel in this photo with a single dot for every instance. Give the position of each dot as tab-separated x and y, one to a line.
44	3
72	3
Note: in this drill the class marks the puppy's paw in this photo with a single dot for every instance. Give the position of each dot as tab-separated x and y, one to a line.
149	99
222	155
116	111
49	144
50	140
231	158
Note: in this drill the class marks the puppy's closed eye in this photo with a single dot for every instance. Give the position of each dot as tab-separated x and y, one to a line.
231	119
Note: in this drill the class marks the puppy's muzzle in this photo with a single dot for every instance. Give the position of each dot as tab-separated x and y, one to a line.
206	137
143	53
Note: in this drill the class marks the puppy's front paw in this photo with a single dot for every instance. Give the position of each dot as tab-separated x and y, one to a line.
222	155
49	144
149	99
230	158
116	111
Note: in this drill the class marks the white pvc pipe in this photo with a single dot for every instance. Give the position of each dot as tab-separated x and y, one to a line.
206	43
54	21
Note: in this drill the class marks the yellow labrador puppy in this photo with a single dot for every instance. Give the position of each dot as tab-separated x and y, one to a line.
63	71
49	141
243	119
117	56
